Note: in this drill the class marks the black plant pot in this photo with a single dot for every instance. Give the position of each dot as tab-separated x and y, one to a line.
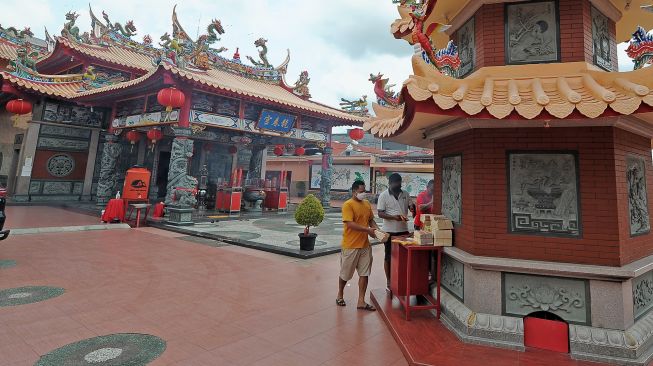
307	242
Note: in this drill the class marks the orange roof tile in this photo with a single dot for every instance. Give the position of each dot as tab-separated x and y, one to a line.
114	54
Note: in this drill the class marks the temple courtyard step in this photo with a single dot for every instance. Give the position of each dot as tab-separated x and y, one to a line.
425	341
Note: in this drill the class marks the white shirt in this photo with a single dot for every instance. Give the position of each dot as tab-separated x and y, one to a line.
394	206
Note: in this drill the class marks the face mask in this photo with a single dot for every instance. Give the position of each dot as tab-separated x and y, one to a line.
361	196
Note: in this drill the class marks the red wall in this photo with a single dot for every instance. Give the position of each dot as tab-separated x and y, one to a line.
604	206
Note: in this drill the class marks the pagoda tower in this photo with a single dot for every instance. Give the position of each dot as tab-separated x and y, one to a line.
542	160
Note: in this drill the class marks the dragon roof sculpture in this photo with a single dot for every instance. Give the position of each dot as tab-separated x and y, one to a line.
383	91
640	48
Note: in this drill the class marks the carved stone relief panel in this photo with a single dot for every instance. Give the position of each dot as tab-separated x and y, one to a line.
642	294
640	222
565	297
452	187
57	187
543	194
453	276
60	165
601	40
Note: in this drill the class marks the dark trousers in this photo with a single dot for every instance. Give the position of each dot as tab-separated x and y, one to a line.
388	244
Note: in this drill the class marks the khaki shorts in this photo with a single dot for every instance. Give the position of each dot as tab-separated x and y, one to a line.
355	259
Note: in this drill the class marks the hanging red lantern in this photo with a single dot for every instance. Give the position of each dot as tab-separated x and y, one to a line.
383	170
233	150
133	137
299	151
278	150
356	134
19	106
171	98
154	135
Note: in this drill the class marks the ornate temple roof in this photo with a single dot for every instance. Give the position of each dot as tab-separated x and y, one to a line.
432	104
196	61
626	14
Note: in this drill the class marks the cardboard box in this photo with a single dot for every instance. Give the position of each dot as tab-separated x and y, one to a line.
443	238
442	225
432	217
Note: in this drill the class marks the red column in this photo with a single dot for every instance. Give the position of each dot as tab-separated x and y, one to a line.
184	113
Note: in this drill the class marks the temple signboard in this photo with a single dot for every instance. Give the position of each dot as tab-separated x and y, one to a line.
275	121
145	119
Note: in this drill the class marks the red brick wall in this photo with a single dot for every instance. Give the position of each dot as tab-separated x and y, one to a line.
604	218
626	143
489	30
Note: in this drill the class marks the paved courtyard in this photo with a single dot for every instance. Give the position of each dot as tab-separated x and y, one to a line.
223	305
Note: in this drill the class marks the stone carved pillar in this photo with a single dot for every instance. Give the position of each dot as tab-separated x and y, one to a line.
106	187
182	151
256	162
180	195
327	175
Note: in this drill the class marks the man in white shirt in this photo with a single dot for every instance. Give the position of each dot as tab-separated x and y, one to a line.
393	206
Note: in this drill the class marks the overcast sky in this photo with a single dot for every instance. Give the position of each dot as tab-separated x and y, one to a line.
339	42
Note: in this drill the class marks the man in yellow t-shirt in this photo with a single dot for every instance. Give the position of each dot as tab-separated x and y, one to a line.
356	253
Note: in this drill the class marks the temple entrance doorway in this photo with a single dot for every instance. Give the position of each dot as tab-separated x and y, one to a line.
162	173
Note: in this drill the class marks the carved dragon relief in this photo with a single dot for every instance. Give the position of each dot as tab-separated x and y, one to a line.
262	54
128	30
70	30
356	107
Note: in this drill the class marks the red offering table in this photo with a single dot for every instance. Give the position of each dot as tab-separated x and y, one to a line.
115	210
410	275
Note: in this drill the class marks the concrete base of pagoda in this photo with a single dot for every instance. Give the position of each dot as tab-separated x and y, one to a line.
485	301
179	216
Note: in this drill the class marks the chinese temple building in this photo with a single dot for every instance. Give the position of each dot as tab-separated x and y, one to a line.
102	102
543	158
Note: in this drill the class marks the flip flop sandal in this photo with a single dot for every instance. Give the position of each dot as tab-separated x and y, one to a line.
367	307
341	302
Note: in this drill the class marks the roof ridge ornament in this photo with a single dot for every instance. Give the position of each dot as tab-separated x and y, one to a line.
262	54
70	30
384	94
356	107
301	86
640	49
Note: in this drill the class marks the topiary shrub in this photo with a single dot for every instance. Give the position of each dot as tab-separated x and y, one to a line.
309	213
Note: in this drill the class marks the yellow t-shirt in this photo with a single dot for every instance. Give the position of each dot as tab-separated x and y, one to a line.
359	212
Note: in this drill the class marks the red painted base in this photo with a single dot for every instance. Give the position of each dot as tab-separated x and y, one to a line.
551	335
425	341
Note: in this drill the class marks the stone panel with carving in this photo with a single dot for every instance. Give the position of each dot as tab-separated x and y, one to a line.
526	294
64	144
637	195
543	192
34	187
452	188
642	294
57	187
60	165
65	131
78	187
453	276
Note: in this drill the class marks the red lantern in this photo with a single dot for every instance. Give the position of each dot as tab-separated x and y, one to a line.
356	134
383	170
19	106
299	151
154	135
171	98
233	150
133	137
278	151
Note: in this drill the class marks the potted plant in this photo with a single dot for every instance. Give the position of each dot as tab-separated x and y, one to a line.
301	188
309	213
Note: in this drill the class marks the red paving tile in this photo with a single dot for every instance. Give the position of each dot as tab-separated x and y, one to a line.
21	217
425	341
213	306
